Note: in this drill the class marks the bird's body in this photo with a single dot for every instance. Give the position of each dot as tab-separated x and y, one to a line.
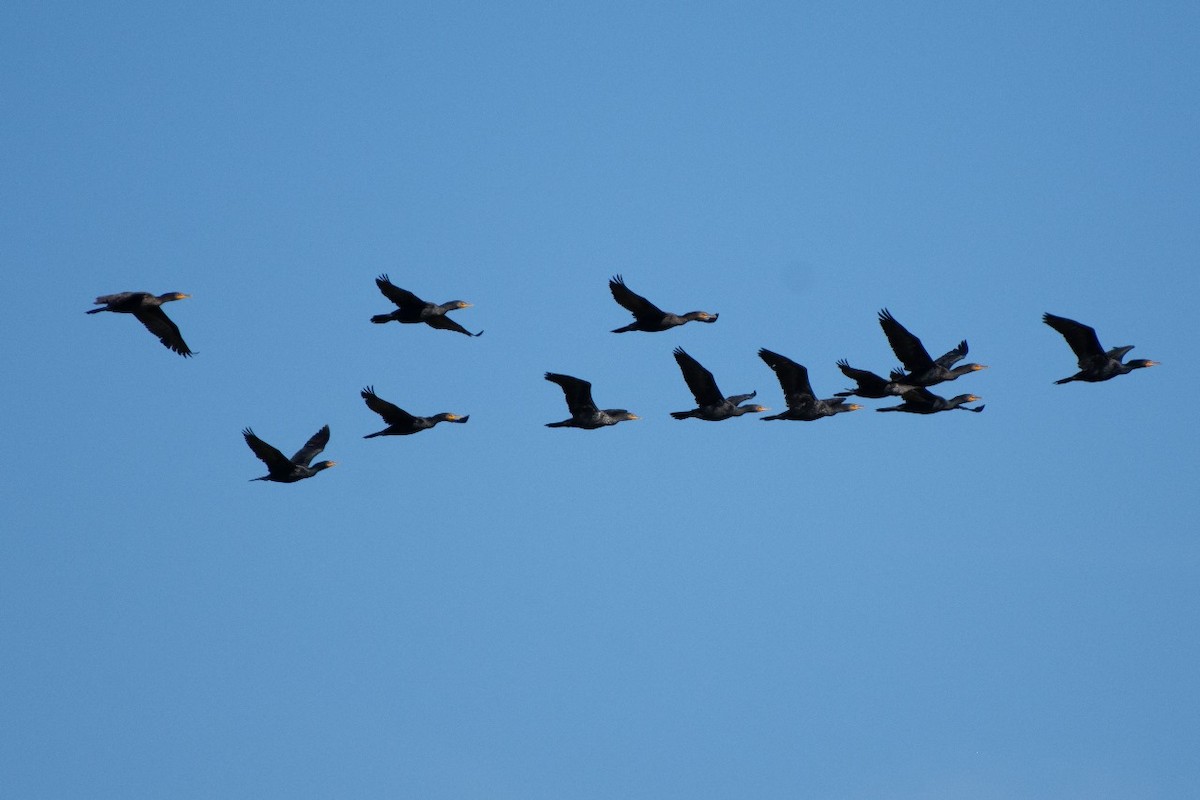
922	401
400	422
802	404
584	413
412	309
711	404
281	469
869	384
647	316
923	370
1095	363
147	308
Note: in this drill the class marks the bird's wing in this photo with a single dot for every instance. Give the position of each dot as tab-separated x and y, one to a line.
392	414
920	396
699	380
793	378
908	348
275	460
578	393
158	323
952	357
860	376
115	299
442	322
635	303
313	446
401	297
1082	338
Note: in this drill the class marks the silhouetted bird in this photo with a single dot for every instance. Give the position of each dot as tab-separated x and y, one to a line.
148	310
922	369
399	421
713	406
412	309
802	403
923	401
1095	363
647	316
584	413
869	384
284	470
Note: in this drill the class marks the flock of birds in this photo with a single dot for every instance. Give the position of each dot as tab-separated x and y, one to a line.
910	384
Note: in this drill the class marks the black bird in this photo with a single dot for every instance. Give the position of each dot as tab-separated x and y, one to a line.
922	401
1095	363
802	403
713	406
923	370
148	310
412	309
399	421
647	316
584	413
869	384
284	470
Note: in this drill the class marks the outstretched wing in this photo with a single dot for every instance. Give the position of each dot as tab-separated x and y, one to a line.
313	446
793	378
699	380
1082	338
275	460
392	414
401	297
908	348
578	393
158	323
442	322
635	303
952	357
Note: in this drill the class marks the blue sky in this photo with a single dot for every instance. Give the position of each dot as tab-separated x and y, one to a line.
995	605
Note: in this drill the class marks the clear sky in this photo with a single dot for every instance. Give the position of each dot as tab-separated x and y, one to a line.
995	605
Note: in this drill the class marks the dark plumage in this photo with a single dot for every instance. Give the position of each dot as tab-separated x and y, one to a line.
1095	363
412	309
923	401
148	310
802	403
647	316
399	421
923	370
712	405
584	413
285	470
869	384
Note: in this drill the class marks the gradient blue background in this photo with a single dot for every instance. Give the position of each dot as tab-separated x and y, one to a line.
996	605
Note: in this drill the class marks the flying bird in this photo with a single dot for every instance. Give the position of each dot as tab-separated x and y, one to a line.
647	316
412	309
1095	363
584	413
869	384
923	370
712	405
802	403
922	401
400	422
284	470
148	310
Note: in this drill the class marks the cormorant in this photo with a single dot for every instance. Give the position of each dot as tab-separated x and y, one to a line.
584	413
399	421
284	470
148	310
802	403
922	401
713	406
869	384
647	316
1095	363
412	309
923	370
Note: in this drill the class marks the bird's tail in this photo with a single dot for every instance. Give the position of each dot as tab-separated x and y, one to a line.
95	310
378	319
